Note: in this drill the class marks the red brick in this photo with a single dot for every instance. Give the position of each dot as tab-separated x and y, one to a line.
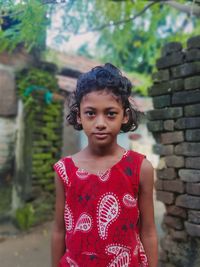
188	149
160	76
174	161
188	123
174	186
178	235
165	197
189	175
168	173
163	255
170	48
194	216
193	189
169	125
159	184
185	70
163	150
192	162
165	113
173	222
170	138
192	229
187	201
176	211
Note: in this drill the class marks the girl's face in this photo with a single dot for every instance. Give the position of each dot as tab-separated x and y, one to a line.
101	116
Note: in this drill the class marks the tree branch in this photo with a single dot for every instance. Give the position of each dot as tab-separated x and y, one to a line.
184	8
193	9
44	2
115	23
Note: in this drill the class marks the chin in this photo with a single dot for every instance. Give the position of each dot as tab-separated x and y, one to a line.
100	143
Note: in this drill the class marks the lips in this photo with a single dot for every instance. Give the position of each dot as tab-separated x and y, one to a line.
101	135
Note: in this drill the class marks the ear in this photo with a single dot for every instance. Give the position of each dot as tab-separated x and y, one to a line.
78	118
126	116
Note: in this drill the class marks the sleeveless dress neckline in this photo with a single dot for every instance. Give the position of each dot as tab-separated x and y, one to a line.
125	154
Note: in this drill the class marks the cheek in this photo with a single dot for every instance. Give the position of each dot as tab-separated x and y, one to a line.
86	124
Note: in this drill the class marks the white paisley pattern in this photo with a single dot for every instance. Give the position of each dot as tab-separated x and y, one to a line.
84	223
82	174
141	252
108	210
104	176
71	262
60	167
129	201
122	253
69	220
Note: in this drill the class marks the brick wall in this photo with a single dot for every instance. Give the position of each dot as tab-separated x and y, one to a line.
175	124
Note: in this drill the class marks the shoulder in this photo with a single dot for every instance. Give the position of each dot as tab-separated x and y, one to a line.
146	166
60	165
146	173
136	155
60	168
137	159
61	160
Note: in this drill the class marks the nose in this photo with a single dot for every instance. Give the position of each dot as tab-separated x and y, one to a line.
100	122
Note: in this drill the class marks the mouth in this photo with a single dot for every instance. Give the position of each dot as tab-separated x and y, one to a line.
101	135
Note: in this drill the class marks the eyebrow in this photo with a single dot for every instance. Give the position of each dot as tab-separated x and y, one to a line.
108	108
88	107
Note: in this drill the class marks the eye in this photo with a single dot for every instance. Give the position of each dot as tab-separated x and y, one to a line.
90	113
111	114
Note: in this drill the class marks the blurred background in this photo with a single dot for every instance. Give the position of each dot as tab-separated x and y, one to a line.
44	46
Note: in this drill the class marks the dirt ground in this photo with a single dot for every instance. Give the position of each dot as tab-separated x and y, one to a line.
33	248
27	250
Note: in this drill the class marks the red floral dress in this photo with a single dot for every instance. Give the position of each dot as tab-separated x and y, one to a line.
101	214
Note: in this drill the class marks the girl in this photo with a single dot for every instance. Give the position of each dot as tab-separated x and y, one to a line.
104	209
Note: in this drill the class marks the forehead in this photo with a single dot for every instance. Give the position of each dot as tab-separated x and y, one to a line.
101	99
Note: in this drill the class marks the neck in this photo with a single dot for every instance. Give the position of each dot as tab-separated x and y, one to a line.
102	150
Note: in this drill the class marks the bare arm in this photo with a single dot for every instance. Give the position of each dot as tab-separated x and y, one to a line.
58	234
148	233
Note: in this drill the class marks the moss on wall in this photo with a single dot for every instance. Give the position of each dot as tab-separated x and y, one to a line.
5	199
44	122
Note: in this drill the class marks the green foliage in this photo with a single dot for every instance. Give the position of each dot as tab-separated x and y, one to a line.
38	77
25	216
35	77
5	198
144	83
130	33
43	208
83	51
135	44
52	56
23	22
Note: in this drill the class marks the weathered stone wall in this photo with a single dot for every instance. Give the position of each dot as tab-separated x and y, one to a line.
42	149
8	112
175	124
30	142
9	131
18	59
38	146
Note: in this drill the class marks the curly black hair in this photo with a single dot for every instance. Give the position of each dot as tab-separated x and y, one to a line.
106	77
